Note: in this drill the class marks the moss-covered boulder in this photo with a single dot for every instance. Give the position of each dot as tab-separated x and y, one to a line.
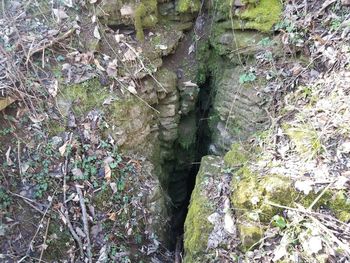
250	14
197	225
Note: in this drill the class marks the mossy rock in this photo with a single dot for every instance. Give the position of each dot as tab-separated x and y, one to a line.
146	16
249	233
82	97
251	192
257	15
261	16
188	6
306	139
236	156
197	225
340	204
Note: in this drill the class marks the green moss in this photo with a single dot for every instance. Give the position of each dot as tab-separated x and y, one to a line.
146	16
184	6
103	199
262	16
197	226
253	193
305	139
58	242
236	156
84	96
249	234
258	15
340	205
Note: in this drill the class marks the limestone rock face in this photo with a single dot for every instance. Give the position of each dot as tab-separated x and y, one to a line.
238	109
208	224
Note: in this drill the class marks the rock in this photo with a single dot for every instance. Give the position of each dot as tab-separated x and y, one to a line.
249	234
236	121
198	228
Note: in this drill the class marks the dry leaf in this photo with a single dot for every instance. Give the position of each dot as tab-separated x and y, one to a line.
37	118
80	232
112	216
191	49
118	37
108	172
97	33
114	187
8	159
129	55
127	10
62	149
304	186
60	14
162	47
98	65
53	88
132	89
4	102
190	84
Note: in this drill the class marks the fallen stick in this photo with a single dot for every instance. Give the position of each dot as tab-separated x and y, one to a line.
85	222
66	220
43	246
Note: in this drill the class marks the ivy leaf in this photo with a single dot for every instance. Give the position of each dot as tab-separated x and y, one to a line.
279	221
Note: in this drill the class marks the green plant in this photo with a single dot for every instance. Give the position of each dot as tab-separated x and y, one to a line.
5	199
279	221
335	23
247	77
6	131
265	42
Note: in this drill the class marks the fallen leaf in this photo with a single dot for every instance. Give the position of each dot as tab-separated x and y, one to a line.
114	187
129	55
77	173
315	244
132	89
112	216
97	33
62	149
229	224
80	232
162	47
60	14
53	88
191	49
36	118
127	10
4	102
303	186
103	257
98	65
108	172
8	159
190	84
118	37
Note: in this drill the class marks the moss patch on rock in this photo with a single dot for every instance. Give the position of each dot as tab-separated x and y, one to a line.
262	16
146	16
192	6
236	156
197	226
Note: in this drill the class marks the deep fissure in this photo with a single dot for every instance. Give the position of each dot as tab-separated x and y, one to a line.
199	149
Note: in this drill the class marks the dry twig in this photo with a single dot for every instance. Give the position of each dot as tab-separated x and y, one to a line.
85	221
